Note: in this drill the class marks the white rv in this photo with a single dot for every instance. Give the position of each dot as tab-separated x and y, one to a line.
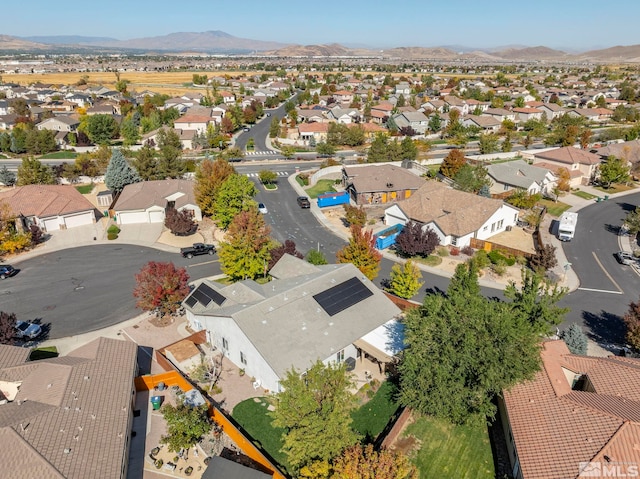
567	226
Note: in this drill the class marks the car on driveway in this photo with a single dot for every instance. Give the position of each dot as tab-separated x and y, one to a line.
7	270
262	208
623	257
303	202
27	330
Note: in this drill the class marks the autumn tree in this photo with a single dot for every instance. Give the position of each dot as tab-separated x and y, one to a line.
632	323
210	175
414	240
119	174
361	252
234	195
186	425
245	252
179	222
289	247
314	409
452	163
33	172
161	287
405	280
7	328
564	178
358	462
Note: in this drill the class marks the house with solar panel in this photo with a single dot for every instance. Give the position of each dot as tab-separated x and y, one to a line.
306	313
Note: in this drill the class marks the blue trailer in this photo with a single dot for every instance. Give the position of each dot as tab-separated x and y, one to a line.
387	237
333	199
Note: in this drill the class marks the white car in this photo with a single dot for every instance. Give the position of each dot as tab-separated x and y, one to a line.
27	330
262	208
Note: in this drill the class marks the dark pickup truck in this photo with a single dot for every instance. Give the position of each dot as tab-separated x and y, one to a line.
197	249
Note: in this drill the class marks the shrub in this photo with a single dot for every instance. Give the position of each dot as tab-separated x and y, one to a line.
113	229
159	463
499	268
468	250
482	259
495	256
304	178
575	339
442	251
455	251
111	236
354	215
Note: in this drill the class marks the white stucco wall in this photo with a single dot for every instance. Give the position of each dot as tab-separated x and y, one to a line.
507	214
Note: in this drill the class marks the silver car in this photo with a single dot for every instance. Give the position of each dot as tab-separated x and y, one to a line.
27	330
623	257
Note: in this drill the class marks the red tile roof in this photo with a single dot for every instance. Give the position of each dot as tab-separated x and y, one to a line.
45	200
555	428
570	156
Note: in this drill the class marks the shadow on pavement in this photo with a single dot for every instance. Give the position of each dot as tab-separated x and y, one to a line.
605	328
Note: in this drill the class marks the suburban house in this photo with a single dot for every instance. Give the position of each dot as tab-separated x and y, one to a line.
578	417
68	417
59	123
627	150
582	165
485	123
379	184
51	207
412	119
500	114
147	201
551	110
331	313
192	121
344	115
455	216
526	114
520	175
317	131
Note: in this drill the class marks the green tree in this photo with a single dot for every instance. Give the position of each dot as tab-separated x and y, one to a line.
130	132
170	164
235	195
488	143
409	149
536	301
471	178
481	347
316	257
33	172
324	148
267	177
575	339
614	170
210	175
361	252
274	128
288	151
435	123
186	425
245	251
379	149
632	221
405	280
145	163
314	410
101	128
119	174
7	178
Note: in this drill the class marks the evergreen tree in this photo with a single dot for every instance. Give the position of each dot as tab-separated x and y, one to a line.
409	149
145	163
575	339
119	174
7	178
170	164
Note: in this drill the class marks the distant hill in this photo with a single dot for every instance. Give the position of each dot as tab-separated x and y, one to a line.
333	50
13	43
530	53
69	40
209	42
630	53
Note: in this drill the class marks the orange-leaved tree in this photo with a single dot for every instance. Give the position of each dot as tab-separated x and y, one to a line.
361	251
161	287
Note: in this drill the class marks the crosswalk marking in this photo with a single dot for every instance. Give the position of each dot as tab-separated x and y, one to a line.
279	173
261	153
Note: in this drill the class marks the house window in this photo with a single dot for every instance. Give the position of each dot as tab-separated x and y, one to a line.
493	227
243	358
454	241
225	344
506	187
500	223
340	356
485	228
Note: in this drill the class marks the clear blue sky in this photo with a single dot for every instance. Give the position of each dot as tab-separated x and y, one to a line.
569	24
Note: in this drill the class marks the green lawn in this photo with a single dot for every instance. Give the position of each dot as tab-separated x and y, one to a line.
371	418
253	417
431	260
43	353
84	189
60	155
554	208
322	186
615	188
584	195
449	451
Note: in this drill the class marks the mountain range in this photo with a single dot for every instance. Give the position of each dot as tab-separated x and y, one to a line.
218	42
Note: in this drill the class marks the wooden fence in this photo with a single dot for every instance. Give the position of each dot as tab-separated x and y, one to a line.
397	428
489	246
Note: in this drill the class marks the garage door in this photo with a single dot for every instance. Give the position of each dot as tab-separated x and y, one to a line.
51	224
156	216
78	220
133	217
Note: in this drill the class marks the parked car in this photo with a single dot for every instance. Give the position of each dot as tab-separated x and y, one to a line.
197	249
262	208
303	202
7	270
27	330
624	257
246	128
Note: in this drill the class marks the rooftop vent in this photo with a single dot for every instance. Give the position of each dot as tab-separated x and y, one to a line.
67	450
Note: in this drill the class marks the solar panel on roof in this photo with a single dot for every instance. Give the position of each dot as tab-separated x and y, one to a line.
202	298
191	301
212	294
342	296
